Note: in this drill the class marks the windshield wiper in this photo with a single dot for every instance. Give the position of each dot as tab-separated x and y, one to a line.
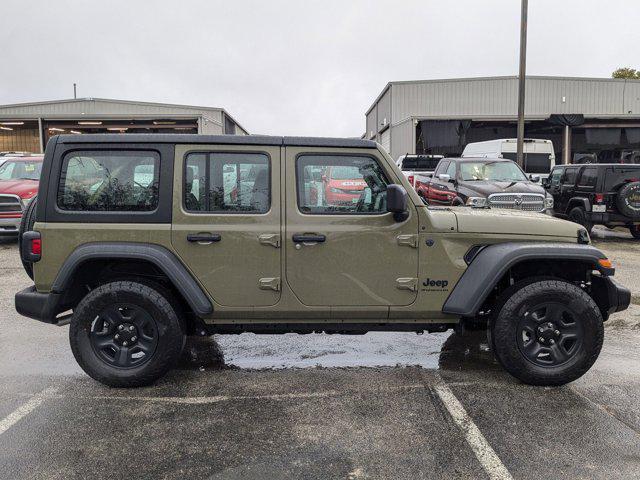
26	178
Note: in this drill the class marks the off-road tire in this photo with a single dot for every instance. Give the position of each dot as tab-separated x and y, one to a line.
635	231
579	216
504	331
624	200
26	225
171	336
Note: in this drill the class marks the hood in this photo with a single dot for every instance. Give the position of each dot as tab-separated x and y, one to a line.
499	221
22	188
486	188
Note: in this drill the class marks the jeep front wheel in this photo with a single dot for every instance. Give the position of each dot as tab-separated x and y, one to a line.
125	334
635	231
548	332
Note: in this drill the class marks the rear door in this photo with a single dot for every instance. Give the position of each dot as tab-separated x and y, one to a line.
347	251
567	187
226	221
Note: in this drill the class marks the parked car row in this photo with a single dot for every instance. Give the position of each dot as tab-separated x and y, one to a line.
19	180
586	194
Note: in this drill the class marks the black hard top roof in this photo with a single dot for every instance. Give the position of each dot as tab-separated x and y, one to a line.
217	139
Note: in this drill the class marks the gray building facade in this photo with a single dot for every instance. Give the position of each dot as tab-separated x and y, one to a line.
598	118
28	126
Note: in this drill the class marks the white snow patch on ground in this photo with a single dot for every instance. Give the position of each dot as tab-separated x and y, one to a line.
291	350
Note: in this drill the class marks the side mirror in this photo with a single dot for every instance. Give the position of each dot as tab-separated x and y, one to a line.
445	177
397	202
546	182
534	178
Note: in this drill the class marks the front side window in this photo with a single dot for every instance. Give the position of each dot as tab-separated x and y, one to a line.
227	183
451	170
340	184
556	175
109	181
20	170
498	171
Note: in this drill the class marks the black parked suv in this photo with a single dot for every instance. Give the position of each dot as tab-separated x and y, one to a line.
597	194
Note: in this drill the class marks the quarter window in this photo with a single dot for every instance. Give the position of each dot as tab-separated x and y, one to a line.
109	181
227	183
340	184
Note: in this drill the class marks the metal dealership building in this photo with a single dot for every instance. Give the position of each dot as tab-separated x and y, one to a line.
28	126
593	118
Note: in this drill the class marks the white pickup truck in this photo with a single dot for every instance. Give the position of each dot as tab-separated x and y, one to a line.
417	167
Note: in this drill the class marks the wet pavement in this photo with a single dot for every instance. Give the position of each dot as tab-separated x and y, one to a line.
381	405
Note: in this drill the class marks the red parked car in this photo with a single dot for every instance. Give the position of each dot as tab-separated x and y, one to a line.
19	180
342	185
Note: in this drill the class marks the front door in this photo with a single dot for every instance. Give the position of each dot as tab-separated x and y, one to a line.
342	248
226	221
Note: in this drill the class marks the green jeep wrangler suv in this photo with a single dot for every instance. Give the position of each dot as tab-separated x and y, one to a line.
141	240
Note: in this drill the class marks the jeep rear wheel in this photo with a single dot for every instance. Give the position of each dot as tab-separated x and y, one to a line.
126	334
579	216
548	332
635	231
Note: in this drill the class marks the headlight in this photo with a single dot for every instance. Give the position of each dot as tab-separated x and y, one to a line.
477	202
548	202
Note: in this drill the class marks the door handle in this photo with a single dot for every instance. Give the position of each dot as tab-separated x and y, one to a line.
308	238
204	237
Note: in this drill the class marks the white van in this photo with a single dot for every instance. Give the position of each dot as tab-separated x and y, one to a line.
539	157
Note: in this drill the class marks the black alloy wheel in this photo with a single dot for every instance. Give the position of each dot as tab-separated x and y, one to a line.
124	335
549	334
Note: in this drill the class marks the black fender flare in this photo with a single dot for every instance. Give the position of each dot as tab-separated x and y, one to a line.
161	257
578	202
490	264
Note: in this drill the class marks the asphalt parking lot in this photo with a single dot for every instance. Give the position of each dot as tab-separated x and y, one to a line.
382	405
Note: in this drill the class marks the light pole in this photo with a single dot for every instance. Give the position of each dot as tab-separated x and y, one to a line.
521	81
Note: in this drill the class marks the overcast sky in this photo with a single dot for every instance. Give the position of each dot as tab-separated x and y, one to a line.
295	67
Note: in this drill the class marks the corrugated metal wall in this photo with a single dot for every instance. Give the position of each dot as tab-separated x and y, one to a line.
20	140
402	139
372	129
88	107
498	97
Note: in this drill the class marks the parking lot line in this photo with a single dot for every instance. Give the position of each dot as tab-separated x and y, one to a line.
483	451
25	409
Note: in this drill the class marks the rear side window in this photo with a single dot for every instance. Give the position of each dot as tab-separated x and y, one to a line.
589	177
340	184
227	183
109	181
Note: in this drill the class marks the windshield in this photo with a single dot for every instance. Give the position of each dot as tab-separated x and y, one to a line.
345	173
20	170
492	171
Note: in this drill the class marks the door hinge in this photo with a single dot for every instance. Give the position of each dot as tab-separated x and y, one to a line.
269	283
407	284
408	240
272	239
